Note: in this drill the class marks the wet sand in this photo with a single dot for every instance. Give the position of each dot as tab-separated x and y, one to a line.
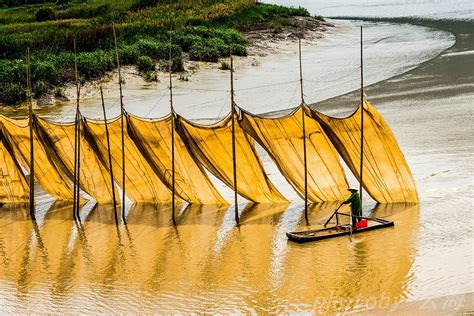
205	263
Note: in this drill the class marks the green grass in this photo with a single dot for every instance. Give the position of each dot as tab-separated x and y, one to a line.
204	30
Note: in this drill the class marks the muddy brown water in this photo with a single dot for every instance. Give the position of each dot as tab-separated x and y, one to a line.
206	263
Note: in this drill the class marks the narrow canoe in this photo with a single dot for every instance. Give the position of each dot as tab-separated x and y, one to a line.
336	231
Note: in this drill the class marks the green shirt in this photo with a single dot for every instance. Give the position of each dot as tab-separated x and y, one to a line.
356	203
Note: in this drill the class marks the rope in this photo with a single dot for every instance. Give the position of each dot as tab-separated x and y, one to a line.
268	85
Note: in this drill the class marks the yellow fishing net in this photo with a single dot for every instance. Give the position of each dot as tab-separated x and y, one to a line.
13	185
94	177
141	183
212	146
48	171
282	138
386	175
153	138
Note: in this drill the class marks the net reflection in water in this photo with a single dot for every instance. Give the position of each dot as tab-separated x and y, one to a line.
204	263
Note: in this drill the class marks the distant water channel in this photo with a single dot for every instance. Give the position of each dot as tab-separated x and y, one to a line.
423	87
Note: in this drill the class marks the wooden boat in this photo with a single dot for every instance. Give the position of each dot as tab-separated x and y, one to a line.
337	231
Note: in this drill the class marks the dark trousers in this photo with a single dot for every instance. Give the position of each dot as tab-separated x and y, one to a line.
356	219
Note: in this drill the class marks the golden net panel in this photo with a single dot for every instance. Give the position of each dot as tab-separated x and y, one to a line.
212	146
48	171
94	177
386	175
282	138
141	183
153	138
13	185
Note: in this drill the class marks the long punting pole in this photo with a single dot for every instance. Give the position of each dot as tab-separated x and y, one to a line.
234	159
107	136
173	191
362	114
30	124
305	161
122	112
77	142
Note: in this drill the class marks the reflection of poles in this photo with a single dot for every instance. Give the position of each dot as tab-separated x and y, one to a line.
304	135
77	142
30	124
234	163
122	114
362	115
109	153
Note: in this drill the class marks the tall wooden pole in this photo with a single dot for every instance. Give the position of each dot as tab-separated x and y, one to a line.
234	158
173	190
30	124
77	141
107	136
362	115
305	161
122	112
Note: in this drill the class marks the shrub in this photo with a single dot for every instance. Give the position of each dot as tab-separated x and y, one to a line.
186	41
319	18
239	50
12	93
12	71
44	14
150	48
229	36
204	53
219	45
145	64
39	88
43	70
94	64
129	54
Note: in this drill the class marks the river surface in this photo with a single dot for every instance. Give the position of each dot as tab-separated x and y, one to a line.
419	78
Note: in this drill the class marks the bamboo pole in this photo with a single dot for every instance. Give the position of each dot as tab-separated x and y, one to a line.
361	116
303	123
77	142
173	189
30	124
78	187
234	158
107	136
122	114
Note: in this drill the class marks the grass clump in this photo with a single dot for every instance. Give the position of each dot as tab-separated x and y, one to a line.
40	88
59	92
224	65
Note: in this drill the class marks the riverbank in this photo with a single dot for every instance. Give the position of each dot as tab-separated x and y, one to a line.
262	44
147	33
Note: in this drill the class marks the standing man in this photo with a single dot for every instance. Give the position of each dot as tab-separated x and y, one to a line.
356	205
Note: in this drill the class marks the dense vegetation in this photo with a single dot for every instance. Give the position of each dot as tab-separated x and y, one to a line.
204	30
